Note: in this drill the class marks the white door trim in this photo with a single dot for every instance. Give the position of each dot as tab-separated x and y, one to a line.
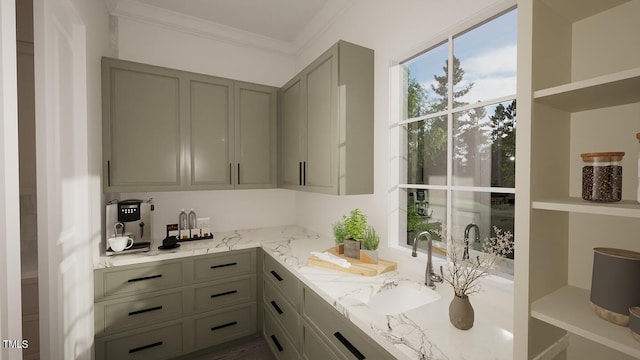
10	286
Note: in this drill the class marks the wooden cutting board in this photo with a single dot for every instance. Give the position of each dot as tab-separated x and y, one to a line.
357	267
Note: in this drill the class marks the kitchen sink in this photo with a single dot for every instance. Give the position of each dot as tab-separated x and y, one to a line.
401	298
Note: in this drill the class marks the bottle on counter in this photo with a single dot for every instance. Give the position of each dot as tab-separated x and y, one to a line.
183	226
193	224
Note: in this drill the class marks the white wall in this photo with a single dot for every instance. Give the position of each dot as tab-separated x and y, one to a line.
228	209
159	45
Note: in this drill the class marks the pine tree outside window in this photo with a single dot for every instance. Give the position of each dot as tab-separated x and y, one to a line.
458	133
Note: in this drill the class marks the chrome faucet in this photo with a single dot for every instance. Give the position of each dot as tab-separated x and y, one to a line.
465	255
430	278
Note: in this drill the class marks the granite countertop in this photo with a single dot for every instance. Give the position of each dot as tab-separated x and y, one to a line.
422	333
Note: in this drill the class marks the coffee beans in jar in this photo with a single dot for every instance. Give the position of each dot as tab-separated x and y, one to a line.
602	176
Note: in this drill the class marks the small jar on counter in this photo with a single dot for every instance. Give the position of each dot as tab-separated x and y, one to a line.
602	176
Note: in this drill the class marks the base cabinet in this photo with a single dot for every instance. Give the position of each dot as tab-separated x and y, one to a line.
314	347
338	332
297	321
175	307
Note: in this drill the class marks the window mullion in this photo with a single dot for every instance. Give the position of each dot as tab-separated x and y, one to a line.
449	195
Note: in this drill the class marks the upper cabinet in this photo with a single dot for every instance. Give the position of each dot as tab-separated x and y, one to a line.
578	92
166	129
326	124
142	127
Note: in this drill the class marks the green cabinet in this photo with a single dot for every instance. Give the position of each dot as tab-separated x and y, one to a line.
255	136
166	129
142	134
164	309
326	125
210	132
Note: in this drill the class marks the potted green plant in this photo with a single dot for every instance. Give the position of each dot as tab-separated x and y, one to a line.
355	226
370	243
340	235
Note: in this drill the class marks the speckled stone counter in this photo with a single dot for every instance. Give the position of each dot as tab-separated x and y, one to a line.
421	333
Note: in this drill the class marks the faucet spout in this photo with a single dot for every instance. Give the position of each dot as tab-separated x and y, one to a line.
465	255
430	278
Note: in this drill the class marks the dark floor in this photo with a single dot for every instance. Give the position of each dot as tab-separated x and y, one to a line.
254	349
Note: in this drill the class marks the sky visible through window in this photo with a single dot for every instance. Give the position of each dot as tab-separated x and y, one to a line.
487	55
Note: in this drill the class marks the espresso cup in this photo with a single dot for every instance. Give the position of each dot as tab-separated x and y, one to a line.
120	243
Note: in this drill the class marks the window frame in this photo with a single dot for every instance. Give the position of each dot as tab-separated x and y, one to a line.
398	205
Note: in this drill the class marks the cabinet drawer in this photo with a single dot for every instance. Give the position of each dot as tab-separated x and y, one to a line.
125	280
160	343
224	265
231	323
344	336
313	347
223	293
279	343
283	311
140	309
283	280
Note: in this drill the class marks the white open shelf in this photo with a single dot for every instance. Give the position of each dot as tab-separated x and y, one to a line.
625	208
608	90
569	308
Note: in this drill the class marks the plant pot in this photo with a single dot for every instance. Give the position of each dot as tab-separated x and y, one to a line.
352	249
339	248
369	256
461	312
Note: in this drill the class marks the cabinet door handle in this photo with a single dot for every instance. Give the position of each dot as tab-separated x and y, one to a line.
224	293
300	173
275	275
349	346
275	306
145	347
238	173
145	278
276	343
230	174
108	172
304	173
145	310
222	265
224	326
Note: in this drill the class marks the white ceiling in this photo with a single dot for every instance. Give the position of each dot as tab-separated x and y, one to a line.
278	19
284	23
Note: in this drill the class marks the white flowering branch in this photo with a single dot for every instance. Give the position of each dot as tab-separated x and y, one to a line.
464	275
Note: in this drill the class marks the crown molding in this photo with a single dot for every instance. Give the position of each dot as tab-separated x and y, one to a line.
152	14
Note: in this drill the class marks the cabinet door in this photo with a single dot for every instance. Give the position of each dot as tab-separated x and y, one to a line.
211	132
255	135
292	134
320	169
141	127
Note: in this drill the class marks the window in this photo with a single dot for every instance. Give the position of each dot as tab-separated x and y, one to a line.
457	133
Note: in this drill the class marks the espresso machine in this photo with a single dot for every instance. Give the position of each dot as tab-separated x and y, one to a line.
129	218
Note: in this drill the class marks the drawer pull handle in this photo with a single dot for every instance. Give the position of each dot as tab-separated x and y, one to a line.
275	306
349	346
145	347
223	265
145	310
275	275
224	326
145	278
276	343
224	293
